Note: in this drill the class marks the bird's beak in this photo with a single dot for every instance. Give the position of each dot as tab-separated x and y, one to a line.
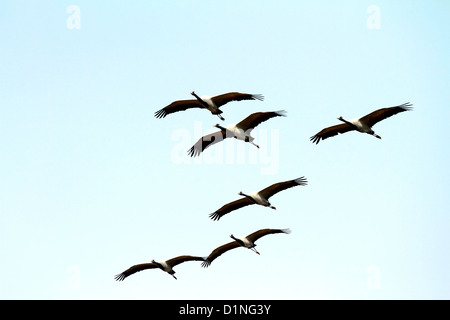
376	136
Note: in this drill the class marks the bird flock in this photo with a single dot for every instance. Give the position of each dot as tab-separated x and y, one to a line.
241	131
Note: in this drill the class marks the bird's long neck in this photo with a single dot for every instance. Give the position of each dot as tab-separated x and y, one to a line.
199	99
238	240
355	126
158	264
247	196
346	121
220	127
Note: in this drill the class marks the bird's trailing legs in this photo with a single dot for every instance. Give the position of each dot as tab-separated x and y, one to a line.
254	144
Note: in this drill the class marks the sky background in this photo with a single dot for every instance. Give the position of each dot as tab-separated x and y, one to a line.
92	183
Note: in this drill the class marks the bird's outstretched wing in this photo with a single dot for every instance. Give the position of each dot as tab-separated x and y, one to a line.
222	99
177	106
374	117
280	186
230	207
134	269
180	259
206	141
256	118
263	232
331	131
218	251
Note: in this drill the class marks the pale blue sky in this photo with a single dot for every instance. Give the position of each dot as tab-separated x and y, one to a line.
91	183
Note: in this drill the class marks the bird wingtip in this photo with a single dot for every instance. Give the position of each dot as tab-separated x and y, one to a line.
282	113
214	216
315	139
206	262
301	181
160	114
407	106
119	277
193	152
258	96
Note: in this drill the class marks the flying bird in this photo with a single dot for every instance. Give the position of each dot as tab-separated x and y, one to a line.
246	242
211	103
363	124
166	266
240	131
261	197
